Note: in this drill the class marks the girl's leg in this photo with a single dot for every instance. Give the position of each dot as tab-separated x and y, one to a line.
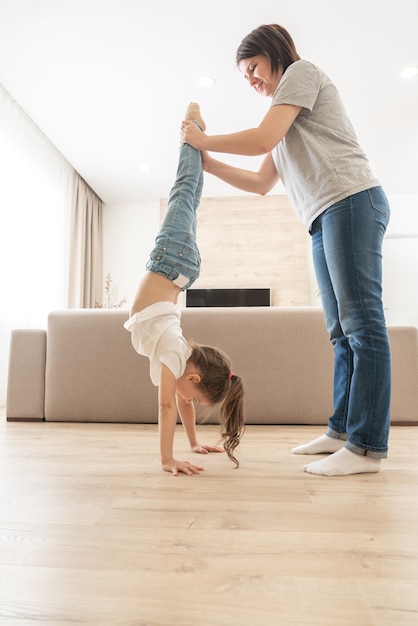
175	254
175	260
186	192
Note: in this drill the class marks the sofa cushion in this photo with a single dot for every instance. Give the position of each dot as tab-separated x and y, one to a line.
282	354
92	371
26	375
404	348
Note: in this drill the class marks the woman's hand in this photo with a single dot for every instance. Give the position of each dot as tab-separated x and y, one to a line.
185	467
206	449
191	134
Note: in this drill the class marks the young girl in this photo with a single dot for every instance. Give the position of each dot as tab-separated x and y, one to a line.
186	373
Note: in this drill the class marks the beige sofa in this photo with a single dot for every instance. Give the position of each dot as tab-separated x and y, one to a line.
83	367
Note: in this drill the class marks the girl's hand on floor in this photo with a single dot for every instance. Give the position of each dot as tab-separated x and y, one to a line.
185	467
206	449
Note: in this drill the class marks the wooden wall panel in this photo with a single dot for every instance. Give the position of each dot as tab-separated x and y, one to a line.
253	241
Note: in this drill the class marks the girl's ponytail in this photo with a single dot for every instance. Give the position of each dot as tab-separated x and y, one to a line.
221	386
232	417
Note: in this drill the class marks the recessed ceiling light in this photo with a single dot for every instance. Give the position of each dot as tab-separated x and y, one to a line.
409	72
207	81
144	167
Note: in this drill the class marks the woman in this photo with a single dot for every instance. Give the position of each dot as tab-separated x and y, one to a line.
310	144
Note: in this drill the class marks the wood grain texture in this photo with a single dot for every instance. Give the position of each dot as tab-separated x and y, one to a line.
93	532
253	241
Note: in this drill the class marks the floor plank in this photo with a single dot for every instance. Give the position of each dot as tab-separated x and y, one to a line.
93	532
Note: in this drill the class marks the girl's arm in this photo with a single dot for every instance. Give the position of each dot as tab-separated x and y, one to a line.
167	420
188	417
250	142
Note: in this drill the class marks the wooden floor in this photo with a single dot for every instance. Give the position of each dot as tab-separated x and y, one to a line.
93	532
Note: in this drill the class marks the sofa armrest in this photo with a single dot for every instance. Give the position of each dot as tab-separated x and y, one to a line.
26	378
404	348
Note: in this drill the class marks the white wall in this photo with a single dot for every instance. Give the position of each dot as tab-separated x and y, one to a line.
400	262
130	229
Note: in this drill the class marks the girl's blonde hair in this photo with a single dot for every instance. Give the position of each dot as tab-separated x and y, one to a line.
221	386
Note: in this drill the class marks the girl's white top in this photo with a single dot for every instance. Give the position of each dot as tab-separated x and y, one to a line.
156	333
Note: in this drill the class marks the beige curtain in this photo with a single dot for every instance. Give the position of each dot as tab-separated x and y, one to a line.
85	286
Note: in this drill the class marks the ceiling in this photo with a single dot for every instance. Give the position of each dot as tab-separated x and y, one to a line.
108	81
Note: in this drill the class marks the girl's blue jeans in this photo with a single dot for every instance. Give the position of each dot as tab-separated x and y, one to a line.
347	252
176	255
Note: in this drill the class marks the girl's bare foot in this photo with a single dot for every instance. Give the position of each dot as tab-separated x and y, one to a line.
193	115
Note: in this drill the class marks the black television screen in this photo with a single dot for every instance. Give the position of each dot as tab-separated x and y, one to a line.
227	297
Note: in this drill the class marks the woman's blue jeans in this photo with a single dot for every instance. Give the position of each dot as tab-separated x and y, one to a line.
176	255
347	252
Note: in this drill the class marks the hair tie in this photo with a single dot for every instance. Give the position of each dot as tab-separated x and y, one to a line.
230	375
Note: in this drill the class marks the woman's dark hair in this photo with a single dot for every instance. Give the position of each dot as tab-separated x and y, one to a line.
220	386
272	41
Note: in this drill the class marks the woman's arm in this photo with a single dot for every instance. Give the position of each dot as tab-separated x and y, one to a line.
250	142
167	420
260	182
254	141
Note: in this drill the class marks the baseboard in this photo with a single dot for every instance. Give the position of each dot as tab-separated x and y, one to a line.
25	419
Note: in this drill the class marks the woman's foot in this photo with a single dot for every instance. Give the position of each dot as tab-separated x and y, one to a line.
320	445
193	115
343	463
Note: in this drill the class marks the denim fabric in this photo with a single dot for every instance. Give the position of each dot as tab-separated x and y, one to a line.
176	255
347	252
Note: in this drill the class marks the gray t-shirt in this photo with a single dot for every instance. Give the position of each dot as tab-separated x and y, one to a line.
319	160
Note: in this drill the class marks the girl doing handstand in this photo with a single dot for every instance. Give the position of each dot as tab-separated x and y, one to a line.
185	372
